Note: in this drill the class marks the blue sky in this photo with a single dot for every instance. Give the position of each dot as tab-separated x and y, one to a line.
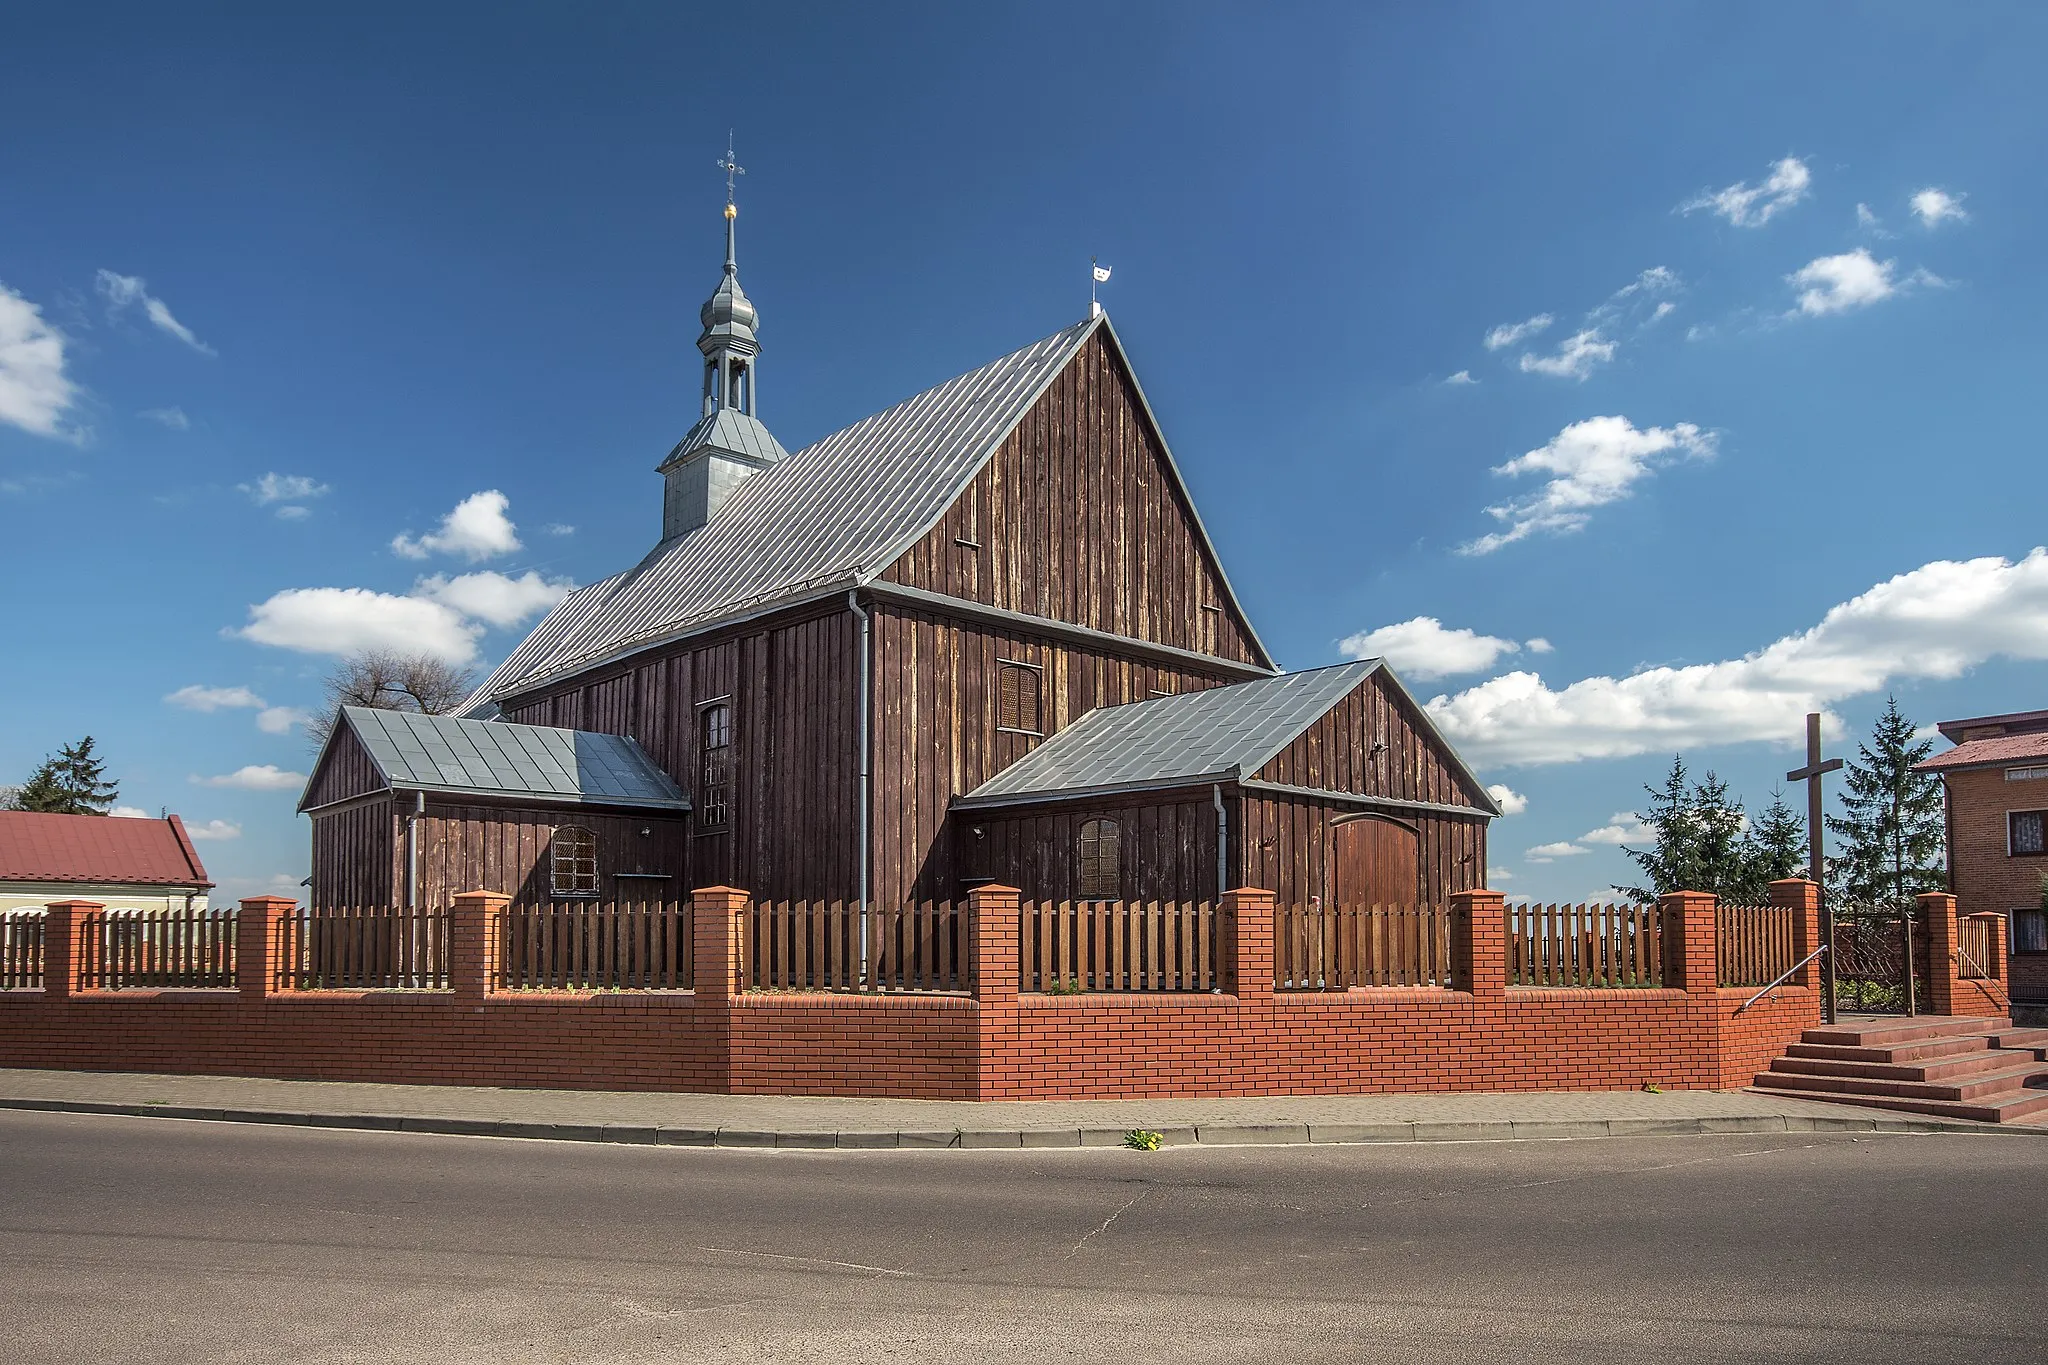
283	287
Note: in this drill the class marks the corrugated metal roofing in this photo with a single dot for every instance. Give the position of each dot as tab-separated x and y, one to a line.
845	506
731	429
1219	733
445	753
109	850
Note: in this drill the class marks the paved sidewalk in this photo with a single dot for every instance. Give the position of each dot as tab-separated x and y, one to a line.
776	1121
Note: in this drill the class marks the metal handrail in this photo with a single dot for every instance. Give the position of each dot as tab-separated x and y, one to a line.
1982	976
1783	977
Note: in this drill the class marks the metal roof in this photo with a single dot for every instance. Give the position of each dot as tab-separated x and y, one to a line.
497	758
730	429
108	850
1218	734
831	516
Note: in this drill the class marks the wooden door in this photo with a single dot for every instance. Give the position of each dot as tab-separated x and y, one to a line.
1373	861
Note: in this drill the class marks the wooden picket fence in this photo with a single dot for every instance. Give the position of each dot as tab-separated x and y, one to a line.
155	949
21	950
595	946
817	946
1754	943
1073	946
1977	940
1339	947
1607	947
370	947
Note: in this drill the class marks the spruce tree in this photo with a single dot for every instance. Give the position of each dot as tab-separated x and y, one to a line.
1774	848
70	782
1700	844
1890	832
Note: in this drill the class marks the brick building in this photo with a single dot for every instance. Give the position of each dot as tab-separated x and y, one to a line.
1996	783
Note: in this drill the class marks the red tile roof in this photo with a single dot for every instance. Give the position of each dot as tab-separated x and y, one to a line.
97	848
1989	752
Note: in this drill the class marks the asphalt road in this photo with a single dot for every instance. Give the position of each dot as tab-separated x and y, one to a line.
155	1240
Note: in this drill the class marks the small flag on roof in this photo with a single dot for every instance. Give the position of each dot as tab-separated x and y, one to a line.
1101	274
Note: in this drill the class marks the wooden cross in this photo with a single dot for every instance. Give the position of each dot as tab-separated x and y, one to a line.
1811	775
730	165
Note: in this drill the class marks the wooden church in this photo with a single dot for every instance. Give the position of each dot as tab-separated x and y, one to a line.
980	635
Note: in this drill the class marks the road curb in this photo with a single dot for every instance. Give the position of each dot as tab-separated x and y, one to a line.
1013	1139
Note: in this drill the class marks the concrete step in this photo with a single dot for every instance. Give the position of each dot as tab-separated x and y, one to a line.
2018	1106
1973	1087
1927	1050
1938	1069
2033	1040
1892	1032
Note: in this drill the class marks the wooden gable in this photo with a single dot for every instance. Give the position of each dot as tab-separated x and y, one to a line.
1080	517
345	771
1337	752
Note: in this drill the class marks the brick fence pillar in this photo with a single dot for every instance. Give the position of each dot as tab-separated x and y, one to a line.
1945	993
1691	960
715	923
1479	942
1801	897
476	927
1249	914
992	914
64	947
256	943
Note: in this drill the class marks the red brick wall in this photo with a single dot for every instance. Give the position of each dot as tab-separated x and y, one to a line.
1986	877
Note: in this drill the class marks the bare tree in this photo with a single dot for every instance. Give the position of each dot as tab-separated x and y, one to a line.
390	681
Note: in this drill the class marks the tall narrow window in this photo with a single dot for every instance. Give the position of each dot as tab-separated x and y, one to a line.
714	786
2027	833
573	853
1101	842
1017	700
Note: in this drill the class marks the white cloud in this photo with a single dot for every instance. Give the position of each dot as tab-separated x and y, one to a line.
493	597
130	813
1595	462
124	291
1661	312
35	393
1575	357
1545	853
1746	205
1623	827
1934	206
197	697
1510	801
215	829
1538	645
1833	284
477	529
1937	621
174	418
1461	377
1514	333
1422	649
1498	874
274	488
556	528
346	620
293	512
279	720
256	777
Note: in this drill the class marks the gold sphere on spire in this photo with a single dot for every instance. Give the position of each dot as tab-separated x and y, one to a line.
731	212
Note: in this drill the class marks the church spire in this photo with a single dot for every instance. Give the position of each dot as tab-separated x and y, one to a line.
728	341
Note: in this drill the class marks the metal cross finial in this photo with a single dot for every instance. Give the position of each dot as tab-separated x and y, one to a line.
730	165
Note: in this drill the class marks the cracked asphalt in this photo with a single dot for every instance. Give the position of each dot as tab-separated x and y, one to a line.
145	1240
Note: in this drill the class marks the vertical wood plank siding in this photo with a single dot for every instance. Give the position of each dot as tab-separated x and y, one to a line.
479	847
1335	753
345	771
1166	850
1077	519
356	855
1283	845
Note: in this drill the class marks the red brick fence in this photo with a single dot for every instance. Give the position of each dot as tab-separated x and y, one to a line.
719	994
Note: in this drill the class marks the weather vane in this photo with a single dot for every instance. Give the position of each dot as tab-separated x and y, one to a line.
731	166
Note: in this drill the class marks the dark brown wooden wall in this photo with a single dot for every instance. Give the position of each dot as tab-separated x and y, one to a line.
1079	519
1166	850
935	733
794	691
1335	753
355	855
345	770
478	847
1283	845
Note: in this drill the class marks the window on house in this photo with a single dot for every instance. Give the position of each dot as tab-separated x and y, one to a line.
714	778
2030	931
573	854
1101	861
2026	774
2026	832
1017	701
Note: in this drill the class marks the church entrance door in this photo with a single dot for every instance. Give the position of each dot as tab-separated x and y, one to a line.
1373	861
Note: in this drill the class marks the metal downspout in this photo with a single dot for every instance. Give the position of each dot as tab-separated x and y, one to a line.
412	850
1222	842
853	603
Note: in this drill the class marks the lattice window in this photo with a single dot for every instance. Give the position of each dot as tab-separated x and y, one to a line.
1101	859
573	857
714	777
2030	931
2027	833
1017	701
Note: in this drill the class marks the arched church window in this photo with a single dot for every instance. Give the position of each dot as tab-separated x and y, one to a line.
572	853
1018	698
1101	859
714	785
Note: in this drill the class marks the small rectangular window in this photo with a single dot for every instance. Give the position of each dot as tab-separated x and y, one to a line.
573	855
1101	859
2026	774
1018	698
2030	931
2027	833
714	785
